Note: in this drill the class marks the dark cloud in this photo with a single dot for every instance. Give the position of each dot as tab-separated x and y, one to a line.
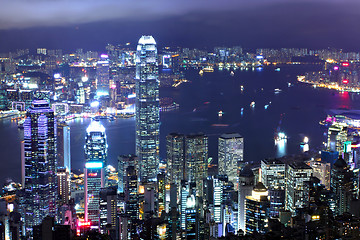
257	23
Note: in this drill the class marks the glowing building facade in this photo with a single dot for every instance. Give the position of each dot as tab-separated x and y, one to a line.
40	163
147	108
96	159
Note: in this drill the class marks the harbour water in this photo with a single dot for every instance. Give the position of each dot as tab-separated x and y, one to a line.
300	106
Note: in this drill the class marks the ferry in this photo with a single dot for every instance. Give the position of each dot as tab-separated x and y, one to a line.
277	90
252	104
208	69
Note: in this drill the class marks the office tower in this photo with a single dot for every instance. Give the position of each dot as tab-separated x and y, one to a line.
161	193
341	185
295	197
40	163
132	200
231	156
337	136
123	162
246	185
175	151
147	108
102	76
95	143
273	178
321	170
108	210
196	157
64	185
95	179
257	206
63	146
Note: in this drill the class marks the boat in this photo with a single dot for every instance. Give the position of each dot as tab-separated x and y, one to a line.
277	90
208	69
252	104
201	72
266	106
280	136
242	88
305	141
232	73
220	113
277	69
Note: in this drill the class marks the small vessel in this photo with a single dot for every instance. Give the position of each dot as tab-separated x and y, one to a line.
252	104
208	69
289	84
242	88
201	72
266	106
277	90
220	113
277	69
232	73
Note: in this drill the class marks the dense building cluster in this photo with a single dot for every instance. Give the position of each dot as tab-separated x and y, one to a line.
308	196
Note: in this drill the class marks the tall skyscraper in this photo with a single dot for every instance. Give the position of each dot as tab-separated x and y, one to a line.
257	210
102	76
95	179
175	151
297	174
63	162
231	156
40	163
273	177
196	157
341	185
147	108
246	185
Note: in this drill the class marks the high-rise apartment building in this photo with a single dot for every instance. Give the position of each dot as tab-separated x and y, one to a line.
231	156
40	163
147	108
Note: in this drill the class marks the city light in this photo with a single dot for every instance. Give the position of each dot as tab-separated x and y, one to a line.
93	165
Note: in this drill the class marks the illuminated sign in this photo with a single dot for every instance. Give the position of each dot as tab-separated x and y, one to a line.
336	68
92	174
345	64
345	81
84	223
94	165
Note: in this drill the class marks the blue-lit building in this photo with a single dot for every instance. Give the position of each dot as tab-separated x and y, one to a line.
40	189
96	159
147	107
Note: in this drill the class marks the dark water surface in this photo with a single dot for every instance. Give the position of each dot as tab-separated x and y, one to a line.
200	100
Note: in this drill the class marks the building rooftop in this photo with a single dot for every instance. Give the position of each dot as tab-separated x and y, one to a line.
273	161
95	126
230	135
144	40
299	165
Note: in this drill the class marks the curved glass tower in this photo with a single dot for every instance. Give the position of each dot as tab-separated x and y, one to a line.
147	108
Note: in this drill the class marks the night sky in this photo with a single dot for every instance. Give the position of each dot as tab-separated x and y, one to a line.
90	24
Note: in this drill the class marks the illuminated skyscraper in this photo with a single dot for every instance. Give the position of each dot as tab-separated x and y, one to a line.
196	157
175	151
40	163
147	108
246	185
102	76
297	174
231	156
96	159
257	210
